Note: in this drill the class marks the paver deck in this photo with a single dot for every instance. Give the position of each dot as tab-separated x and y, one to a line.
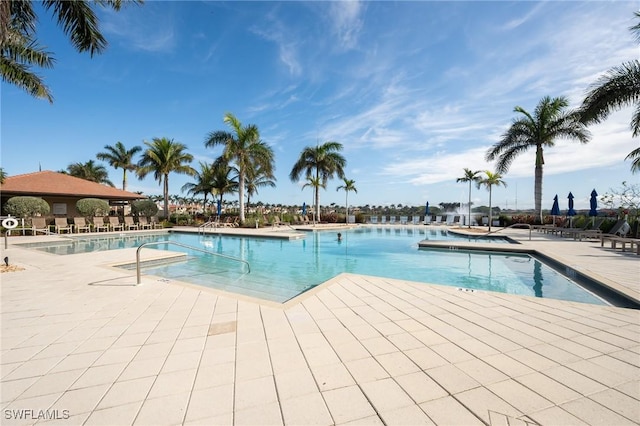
80	342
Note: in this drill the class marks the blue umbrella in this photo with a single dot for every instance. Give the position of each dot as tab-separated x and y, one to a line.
593	204
219	208
426	209
304	209
571	212
555	209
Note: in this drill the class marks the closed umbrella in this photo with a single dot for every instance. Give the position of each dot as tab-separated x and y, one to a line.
219	208
304	209
593	206
571	212
555	209
426	213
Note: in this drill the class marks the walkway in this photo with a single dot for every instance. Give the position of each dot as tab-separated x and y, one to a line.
79	338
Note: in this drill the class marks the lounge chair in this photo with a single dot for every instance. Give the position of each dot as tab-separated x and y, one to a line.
114	224
428	220
143	223
392	220
128	222
39	224
416	220
62	225
618	234
404	220
81	224
99	225
373	220
438	220
383	219
155	223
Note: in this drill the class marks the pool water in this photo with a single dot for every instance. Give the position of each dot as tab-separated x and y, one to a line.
282	269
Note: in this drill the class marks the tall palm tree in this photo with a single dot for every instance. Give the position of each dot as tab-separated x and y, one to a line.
550	121
90	171
321	163
204	182
347	185
164	156
120	157
243	147
490	180
20	50
618	88
471	177
256	178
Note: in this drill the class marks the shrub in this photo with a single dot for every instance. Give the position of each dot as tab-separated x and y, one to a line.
144	208
91	207
26	206
180	219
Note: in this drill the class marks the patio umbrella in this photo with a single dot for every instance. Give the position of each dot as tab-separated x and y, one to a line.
571	212
555	209
304	209
426	210
593	204
219	207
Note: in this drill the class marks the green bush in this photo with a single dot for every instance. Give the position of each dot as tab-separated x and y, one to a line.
180	219
26	206
92	207
144	208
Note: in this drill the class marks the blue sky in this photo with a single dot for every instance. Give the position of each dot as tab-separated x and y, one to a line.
415	91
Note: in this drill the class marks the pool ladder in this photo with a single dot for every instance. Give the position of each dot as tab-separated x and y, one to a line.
208	224
138	279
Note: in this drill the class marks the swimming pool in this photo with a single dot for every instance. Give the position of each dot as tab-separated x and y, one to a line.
282	269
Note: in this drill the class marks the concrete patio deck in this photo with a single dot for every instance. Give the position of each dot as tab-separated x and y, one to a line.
82	344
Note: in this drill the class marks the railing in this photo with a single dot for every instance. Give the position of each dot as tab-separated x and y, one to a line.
138	280
208	224
511	226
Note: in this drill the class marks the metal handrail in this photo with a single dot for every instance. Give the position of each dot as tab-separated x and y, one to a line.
511	226
138	280
210	223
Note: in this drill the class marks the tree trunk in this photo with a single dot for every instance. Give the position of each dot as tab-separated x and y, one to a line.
318	204
124	179
346	205
166	196
469	218
490	210
538	182
241	194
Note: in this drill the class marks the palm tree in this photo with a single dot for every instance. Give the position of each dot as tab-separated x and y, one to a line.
618	88
204	181
471	177
550	121
20	50
348	185
119	157
3	175
258	178
90	171
491	179
321	163
244	147
164	156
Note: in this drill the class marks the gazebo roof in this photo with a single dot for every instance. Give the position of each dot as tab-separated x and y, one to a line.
48	183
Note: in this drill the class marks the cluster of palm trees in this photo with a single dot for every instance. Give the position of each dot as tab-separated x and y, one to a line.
551	120
245	165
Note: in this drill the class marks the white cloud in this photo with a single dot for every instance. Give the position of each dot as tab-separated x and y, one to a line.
346	19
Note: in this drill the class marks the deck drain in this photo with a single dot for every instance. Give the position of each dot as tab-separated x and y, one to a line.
222	328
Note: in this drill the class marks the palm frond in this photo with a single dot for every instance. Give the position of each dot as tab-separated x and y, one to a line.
79	23
618	88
